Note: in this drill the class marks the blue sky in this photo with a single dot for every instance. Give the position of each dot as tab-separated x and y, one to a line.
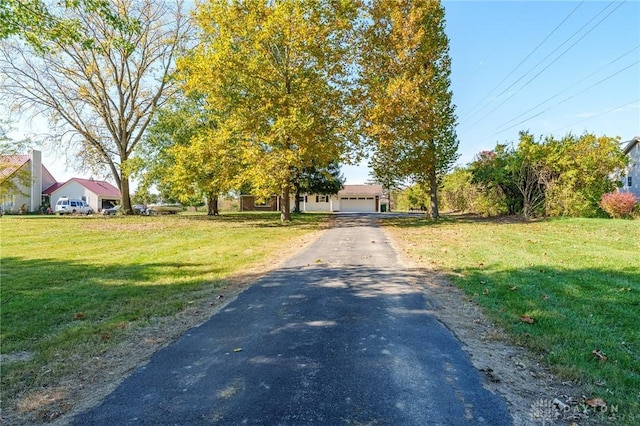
549	67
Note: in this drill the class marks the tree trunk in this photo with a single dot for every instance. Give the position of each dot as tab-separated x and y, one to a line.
212	205
126	196
296	205
285	205
433	195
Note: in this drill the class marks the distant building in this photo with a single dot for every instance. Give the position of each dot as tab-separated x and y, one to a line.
630	176
351	198
35	188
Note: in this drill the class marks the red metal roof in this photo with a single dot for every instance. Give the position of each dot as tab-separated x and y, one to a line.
9	164
98	187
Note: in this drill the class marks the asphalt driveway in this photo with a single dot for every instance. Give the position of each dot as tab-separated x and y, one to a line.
336	336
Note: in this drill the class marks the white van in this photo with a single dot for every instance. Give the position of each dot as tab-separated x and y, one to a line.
72	206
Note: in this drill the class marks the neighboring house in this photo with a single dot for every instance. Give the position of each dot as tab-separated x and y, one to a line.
98	194
251	203
352	198
630	176
44	191
24	197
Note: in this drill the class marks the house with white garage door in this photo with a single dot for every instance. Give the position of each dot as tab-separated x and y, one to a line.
351	199
98	194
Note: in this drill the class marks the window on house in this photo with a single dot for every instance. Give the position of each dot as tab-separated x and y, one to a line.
629	181
322	198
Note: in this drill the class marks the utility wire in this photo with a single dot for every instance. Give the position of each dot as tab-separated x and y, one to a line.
632	50
569	98
552	62
471	113
596	115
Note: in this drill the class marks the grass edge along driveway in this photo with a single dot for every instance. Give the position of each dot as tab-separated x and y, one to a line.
77	292
567	289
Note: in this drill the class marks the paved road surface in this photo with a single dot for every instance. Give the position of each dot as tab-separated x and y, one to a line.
337	336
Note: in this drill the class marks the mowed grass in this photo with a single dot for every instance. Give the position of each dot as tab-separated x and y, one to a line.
77	285
578	279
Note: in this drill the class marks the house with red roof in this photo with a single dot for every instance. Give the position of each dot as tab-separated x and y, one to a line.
22	178
351	198
98	194
27	186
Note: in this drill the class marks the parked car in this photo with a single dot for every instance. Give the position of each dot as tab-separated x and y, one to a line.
72	206
137	209
111	210
140	209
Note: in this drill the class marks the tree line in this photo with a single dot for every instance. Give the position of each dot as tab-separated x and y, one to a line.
536	177
259	94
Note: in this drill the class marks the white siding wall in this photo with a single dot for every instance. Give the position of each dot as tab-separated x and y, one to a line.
632	171
316	203
12	203
74	190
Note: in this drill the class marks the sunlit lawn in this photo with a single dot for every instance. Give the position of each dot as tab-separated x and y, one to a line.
74	285
578	279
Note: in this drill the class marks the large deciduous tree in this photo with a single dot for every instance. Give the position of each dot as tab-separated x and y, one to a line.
39	22
408	109
188	156
278	70
100	87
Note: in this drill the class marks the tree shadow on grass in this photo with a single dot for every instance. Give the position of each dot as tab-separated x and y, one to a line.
574	312
41	297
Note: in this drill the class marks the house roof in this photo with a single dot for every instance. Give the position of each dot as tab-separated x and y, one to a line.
9	164
629	145
361	190
98	187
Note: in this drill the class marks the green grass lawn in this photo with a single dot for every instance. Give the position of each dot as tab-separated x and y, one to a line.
77	285
578	279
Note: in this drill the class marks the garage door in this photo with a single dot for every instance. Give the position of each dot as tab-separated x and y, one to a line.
358	204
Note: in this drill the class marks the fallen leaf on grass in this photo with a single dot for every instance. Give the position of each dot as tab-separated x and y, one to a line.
486	291
544	297
596	403
514	288
599	355
78	315
527	319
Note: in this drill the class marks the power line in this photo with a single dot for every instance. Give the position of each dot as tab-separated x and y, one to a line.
596	115
499	128
554	61
471	113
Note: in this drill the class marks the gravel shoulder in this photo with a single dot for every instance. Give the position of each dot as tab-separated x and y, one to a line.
534	395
